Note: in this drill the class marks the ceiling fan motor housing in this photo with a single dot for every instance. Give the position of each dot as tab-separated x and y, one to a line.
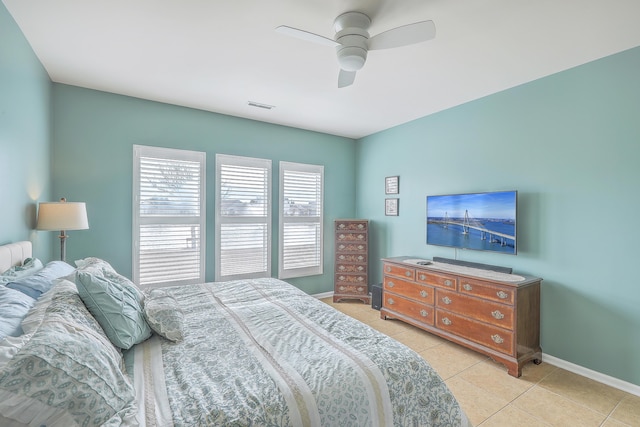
352	50
351	34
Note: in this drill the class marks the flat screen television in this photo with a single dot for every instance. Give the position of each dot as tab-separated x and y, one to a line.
477	221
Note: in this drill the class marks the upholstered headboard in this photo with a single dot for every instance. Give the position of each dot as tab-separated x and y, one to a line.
14	254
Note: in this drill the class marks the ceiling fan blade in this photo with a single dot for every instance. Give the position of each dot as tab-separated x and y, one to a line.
346	78
403	36
307	36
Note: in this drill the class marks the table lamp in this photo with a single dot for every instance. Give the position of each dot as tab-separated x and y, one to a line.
62	216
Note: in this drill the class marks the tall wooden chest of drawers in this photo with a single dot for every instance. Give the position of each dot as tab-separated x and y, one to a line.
351	278
494	314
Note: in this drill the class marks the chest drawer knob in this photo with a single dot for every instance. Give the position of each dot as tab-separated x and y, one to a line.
502	295
390	301
446	321
446	300
497	315
422	277
497	339
448	282
388	269
423	313
390	284
467	287
407	273
424	294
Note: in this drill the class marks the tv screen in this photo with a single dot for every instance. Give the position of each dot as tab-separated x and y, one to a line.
478	221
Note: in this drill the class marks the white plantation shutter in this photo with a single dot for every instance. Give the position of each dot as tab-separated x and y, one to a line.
301	218
243	217
168	216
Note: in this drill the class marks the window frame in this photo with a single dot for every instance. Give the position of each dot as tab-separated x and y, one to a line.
288	273
144	151
220	220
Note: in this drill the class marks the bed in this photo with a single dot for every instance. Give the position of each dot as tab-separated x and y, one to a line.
95	350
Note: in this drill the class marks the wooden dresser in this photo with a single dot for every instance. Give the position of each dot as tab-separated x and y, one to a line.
493	313
351	260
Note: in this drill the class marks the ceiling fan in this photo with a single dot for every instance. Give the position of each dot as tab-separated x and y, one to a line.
352	41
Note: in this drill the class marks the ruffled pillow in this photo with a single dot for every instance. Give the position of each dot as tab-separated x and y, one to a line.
117	306
101	268
163	315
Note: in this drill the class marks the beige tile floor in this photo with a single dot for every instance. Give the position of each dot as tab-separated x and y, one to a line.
544	396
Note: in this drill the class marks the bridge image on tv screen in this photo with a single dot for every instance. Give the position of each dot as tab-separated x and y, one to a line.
478	221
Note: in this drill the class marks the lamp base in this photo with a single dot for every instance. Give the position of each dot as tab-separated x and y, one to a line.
63	245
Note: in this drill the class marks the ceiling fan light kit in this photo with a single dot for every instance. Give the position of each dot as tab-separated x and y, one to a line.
352	40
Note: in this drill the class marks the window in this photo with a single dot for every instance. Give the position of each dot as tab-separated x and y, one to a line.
168	216
301	218
243	217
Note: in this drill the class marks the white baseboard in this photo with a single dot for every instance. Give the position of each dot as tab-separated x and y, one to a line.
323	295
594	375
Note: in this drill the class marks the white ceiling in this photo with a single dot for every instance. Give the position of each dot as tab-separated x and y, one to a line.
217	55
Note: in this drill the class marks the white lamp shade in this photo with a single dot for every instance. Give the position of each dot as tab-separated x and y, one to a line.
62	216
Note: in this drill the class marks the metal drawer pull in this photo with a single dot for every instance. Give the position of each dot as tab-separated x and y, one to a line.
388	269
423	313
497	339
497	315
422	277
390	284
390	301
446	300
467	287
502	294
446	321
447	282
423	294
407	273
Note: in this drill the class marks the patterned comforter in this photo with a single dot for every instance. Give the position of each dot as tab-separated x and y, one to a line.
263	353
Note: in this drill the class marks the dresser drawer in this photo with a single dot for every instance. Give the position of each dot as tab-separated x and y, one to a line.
486	290
421	293
351	236
351	225
351	268
475	308
353	247
351	258
435	279
481	333
352	289
399	271
351	279
421	312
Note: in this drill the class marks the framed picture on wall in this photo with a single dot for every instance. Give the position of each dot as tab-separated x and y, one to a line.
392	185
391	207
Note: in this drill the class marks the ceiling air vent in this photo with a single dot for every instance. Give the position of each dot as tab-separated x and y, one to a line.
259	105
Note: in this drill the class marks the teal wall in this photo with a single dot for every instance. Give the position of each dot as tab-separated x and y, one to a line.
25	91
570	145
92	161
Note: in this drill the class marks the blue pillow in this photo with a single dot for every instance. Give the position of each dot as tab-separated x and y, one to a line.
30	266
116	307
40	282
14	306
